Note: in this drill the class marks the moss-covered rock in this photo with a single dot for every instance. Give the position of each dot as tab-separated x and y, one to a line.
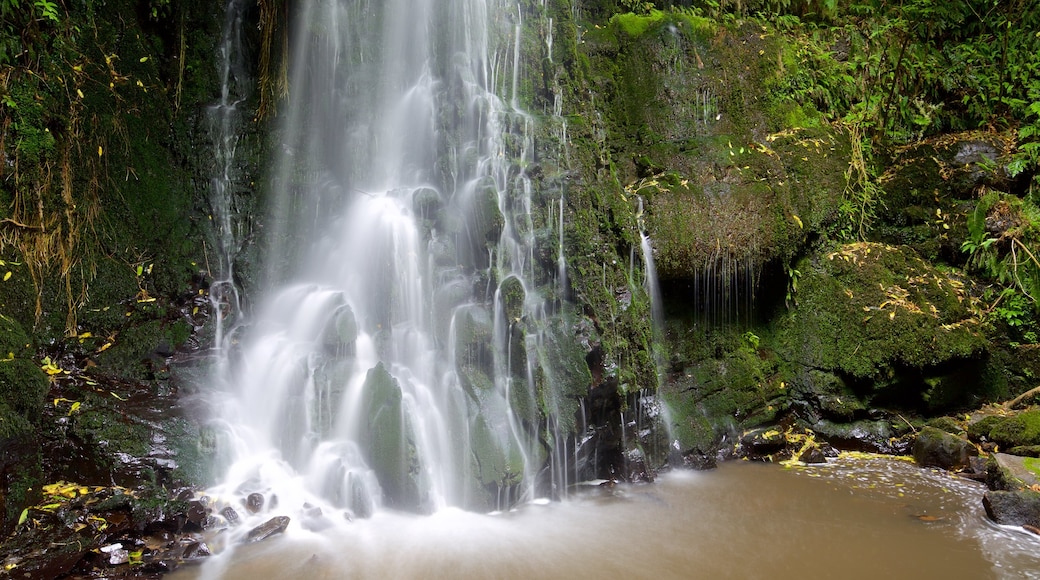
1022	429
936	448
897	329
390	442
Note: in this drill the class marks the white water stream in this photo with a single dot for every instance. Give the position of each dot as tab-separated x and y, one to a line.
396	361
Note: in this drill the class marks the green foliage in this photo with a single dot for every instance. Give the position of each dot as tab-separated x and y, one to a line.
1002	236
47	10
751	341
637	6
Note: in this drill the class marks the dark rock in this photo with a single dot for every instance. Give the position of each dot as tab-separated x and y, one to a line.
195	551
813	455
698	460
763	442
936	448
254	502
230	515
197	514
1013	508
271	527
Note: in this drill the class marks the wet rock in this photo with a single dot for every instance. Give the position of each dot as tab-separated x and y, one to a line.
271	527
701	461
813	455
936	448
230	515
197	515
763	442
1013	508
254	503
195	551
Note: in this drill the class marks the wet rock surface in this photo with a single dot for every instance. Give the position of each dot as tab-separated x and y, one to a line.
1013	508
935	448
271	527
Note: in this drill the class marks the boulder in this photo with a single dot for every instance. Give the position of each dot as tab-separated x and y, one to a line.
271	527
1006	472
1013	508
936	448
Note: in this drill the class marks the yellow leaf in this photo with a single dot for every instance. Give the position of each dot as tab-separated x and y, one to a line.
104	347
22	518
117	396
80	93
74	408
50	506
99	150
797	220
144	59
7	276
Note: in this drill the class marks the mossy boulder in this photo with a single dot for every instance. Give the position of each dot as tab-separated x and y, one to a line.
723	387
390	442
936	448
1020	430
897	330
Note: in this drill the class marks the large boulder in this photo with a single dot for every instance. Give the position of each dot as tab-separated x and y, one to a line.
895	330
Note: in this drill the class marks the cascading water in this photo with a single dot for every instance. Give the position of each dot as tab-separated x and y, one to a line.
398	362
224	124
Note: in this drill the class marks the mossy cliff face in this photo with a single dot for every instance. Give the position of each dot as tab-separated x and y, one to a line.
725	170
104	218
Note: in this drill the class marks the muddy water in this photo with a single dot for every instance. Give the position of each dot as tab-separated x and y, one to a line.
853	518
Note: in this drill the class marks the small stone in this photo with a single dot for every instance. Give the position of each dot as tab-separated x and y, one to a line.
271	527
254	502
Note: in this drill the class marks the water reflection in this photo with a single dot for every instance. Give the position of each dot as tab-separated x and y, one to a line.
852	518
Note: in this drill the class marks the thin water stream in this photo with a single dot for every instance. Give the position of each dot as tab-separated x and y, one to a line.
852	518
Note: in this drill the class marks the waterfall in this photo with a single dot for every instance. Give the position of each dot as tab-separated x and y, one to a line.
224	124
404	356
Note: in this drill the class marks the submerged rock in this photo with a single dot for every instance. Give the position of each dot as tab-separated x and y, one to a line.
271	527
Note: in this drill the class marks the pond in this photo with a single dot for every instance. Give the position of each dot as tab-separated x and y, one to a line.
854	517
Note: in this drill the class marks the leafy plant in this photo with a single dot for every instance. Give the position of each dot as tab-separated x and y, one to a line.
47	10
1002	236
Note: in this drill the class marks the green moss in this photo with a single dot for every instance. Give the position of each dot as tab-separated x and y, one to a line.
635	25
23	385
1032	464
872	312
947	424
1019	430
